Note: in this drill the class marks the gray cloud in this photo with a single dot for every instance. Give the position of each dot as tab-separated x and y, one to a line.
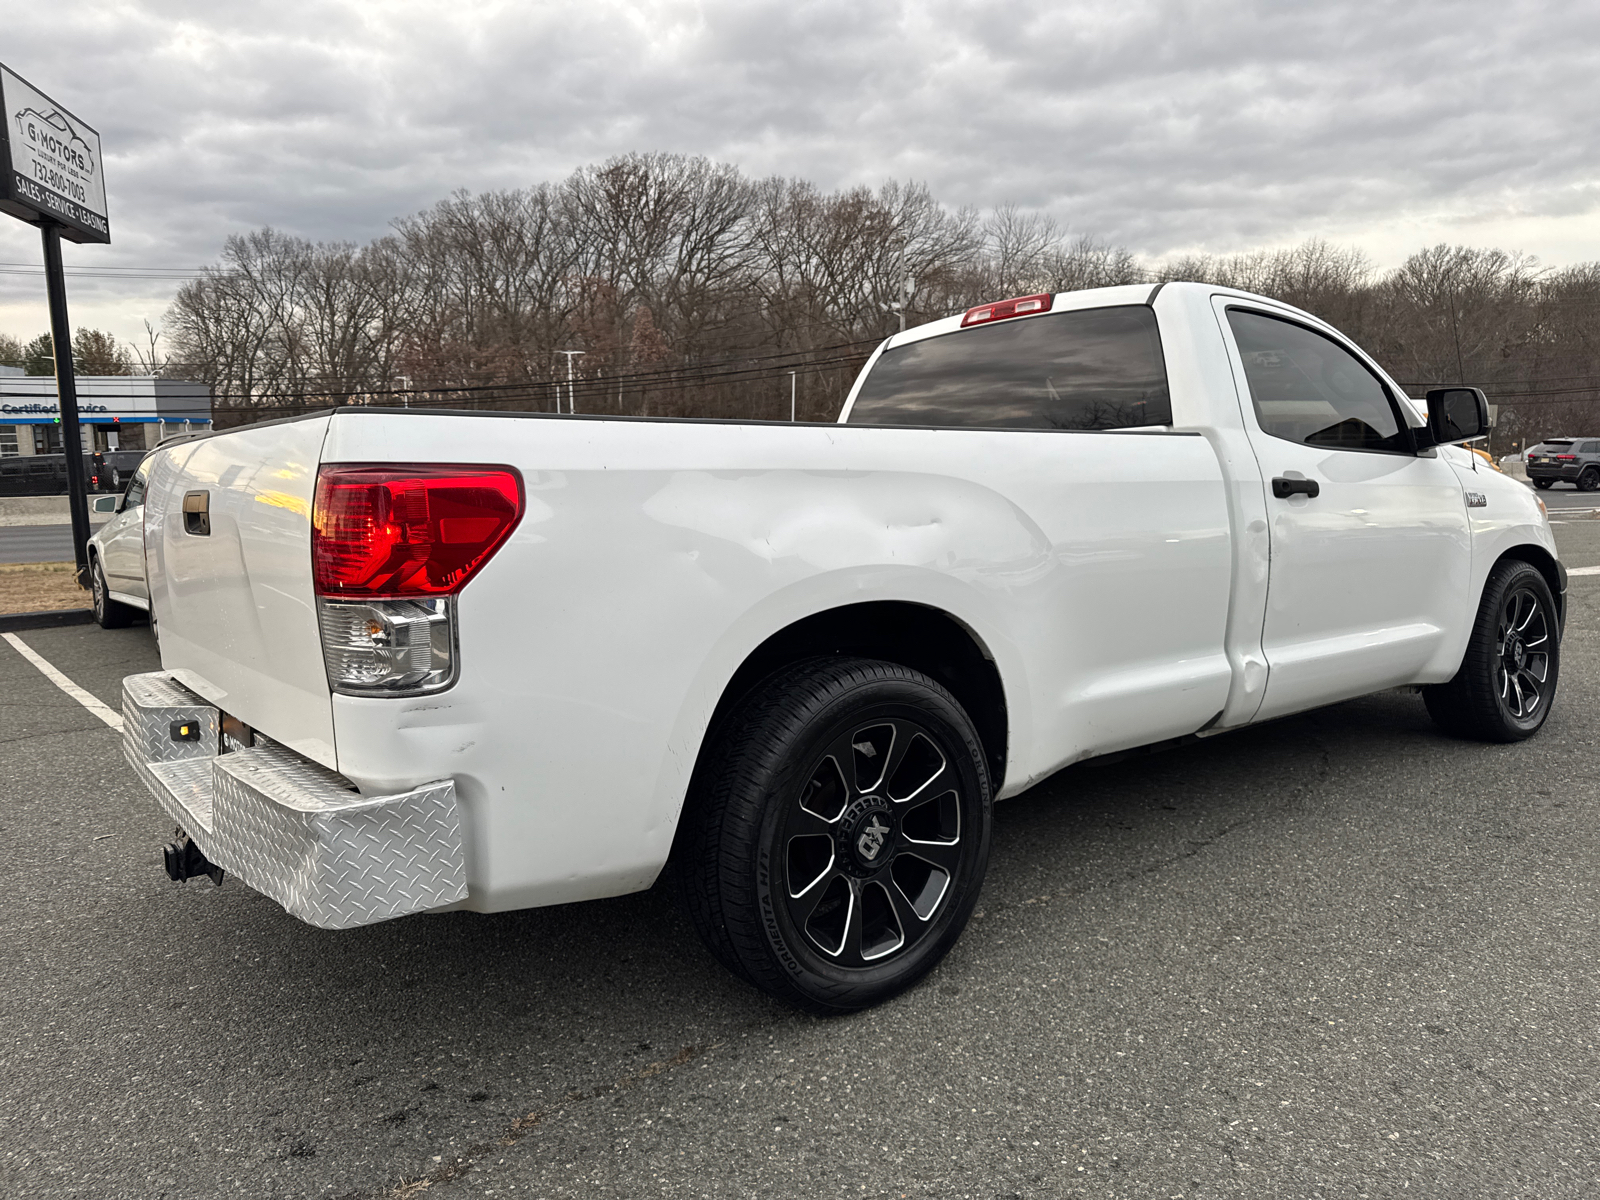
1163	126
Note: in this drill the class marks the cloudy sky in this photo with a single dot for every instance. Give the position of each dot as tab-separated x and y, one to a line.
1162	126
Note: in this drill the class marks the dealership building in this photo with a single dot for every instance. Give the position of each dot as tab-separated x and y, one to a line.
117	412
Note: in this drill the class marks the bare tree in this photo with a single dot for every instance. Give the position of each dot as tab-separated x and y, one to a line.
693	290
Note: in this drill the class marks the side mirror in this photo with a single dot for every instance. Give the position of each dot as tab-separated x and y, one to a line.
106	504
1457	414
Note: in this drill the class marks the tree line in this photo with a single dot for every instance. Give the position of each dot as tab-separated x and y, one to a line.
94	352
693	290
1529	336
689	289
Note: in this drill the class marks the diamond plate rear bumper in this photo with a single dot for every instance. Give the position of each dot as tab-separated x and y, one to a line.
289	828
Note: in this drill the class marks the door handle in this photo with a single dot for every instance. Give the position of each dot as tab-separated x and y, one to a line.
197	513
1284	488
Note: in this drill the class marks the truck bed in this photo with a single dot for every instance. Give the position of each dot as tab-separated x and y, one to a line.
652	559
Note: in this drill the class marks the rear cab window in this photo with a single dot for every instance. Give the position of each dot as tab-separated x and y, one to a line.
1088	369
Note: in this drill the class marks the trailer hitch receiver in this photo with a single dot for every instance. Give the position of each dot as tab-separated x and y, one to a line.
184	860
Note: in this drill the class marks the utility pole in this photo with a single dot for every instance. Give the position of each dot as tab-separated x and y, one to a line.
572	404
791	397
903	286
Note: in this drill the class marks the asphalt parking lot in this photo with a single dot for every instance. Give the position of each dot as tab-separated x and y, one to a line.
1339	955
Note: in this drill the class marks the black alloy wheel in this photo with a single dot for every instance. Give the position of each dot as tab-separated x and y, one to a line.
1589	480
1543	484
1507	681
872	843
835	848
1525	640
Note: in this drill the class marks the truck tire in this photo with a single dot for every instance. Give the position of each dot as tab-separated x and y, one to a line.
1507	680
108	613
837	833
1589	480
1543	484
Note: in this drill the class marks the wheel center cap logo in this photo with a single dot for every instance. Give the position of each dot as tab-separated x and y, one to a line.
870	841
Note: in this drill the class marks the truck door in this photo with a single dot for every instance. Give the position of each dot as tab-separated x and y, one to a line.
1369	540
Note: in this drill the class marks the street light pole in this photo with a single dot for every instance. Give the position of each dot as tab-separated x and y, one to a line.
903	288
791	396
572	405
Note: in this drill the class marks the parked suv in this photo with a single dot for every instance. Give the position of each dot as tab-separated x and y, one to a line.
1570	460
46	474
116	556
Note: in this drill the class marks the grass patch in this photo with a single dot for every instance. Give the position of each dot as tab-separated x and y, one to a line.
40	587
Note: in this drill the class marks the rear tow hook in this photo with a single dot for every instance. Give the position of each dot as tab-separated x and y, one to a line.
184	860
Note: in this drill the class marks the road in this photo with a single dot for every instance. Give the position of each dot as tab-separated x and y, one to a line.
35	543
1338	955
1566	497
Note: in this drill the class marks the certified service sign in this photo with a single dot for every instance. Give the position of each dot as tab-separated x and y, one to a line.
51	168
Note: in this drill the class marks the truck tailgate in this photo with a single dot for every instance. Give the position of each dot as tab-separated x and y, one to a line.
232	594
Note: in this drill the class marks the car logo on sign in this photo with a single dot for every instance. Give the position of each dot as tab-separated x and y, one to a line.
871	839
54	135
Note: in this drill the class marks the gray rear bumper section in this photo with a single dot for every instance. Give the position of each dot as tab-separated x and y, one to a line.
287	827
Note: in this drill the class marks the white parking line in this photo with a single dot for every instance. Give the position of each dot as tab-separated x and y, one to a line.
106	714
1583	570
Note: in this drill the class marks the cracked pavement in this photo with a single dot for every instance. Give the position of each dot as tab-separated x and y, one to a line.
1339	955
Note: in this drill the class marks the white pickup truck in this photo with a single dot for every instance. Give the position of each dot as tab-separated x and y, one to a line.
417	660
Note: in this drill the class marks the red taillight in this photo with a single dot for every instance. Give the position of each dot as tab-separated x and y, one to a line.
1022	306
1566	458
408	530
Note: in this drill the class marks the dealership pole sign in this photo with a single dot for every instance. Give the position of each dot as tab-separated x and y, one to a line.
51	176
52	169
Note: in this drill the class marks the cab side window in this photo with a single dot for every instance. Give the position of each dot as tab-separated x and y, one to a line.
134	496
1307	388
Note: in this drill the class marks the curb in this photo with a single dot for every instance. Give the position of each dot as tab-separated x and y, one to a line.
18	622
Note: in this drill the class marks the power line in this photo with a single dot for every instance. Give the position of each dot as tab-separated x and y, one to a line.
266	408
592	388
361	389
107	272
711	370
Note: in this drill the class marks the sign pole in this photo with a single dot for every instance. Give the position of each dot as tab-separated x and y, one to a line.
67	392
50	176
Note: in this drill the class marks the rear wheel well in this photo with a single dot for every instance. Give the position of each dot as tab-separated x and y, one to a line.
913	635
